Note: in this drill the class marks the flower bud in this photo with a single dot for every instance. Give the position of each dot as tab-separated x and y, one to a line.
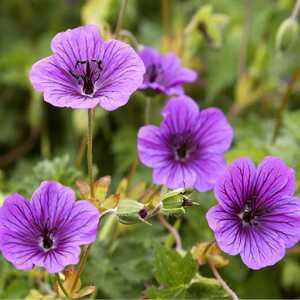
287	34
131	212
176	199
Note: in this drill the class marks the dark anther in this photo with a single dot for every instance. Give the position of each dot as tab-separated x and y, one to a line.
182	151
152	72
47	242
88	78
187	202
143	213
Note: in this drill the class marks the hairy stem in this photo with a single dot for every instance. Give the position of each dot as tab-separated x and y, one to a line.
62	286
222	282
90	151
172	230
284	103
120	18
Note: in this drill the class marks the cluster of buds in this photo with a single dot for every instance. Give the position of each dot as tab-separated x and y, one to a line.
137	204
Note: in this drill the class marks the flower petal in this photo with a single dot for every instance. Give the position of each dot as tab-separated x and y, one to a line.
263	247
78	44
175	175
174	74
214	133
60	88
81	227
227	228
55	261
122	74
209	167
180	114
234	187
18	232
52	203
274	180
284	219
151	147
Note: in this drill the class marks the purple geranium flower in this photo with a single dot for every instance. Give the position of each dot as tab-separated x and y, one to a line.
84	71
164	72
48	231
257	214
187	150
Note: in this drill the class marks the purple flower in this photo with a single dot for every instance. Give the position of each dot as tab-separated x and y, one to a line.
48	231
187	149
257	214
164	72
84	71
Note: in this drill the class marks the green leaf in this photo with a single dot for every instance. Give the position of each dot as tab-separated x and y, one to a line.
205	288
167	293
172	269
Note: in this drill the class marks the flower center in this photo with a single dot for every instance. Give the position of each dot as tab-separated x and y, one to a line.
47	242
248	215
183	145
153	72
87	73
182	152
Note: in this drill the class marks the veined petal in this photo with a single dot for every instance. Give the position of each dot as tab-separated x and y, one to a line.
180	115
52	203
274	180
151	147
214	132
175	175
284	219
18	231
81	227
235	186
208	167
227	228
122	74
263	247
78	44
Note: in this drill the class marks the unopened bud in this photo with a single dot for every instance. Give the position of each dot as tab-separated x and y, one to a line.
131	212
287	34
176	199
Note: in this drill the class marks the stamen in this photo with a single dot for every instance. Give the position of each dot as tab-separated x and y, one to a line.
89	76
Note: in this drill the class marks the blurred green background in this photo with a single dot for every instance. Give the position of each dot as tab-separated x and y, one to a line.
231	44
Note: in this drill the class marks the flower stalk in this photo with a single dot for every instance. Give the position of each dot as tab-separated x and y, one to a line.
61	286
120	18
222	282
90	151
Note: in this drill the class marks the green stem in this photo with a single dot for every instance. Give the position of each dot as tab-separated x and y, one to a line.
120	18
173	231
147	110
108	227
296	10
284	103
166	18
84	256
90	151
222	282
81	267
62	286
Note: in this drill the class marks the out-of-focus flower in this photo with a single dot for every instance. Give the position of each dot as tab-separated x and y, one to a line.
84	71
257	215
48	231
187	149
164	72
